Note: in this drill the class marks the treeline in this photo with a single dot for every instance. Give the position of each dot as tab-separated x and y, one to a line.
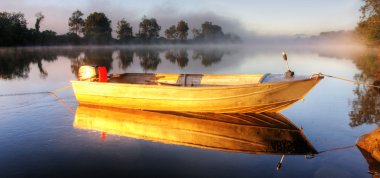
96	29
367	30
334	34
336	37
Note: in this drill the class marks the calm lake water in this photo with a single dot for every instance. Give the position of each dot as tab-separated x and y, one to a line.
39	136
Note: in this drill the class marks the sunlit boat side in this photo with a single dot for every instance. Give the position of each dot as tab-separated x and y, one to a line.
196	92
265	133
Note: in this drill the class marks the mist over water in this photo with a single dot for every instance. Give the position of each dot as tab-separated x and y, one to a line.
158	58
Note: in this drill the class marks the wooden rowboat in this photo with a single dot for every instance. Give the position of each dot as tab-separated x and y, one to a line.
197	92
265	133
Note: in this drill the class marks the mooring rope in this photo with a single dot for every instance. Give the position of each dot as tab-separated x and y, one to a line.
37	93
60	89
336	149
30	93
61	101
52	92
351	81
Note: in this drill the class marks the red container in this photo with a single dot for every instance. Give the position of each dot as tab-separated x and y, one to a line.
102	71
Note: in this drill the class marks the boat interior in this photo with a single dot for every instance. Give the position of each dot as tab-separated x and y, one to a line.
199	80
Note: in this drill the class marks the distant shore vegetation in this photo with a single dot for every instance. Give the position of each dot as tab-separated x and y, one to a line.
96	29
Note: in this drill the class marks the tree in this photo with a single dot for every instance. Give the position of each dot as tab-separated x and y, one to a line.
39	19
98	28
179	32
369	24
171	32
69	38
196	33
182	29
211	31
48	37
370	8
148	28
76	22
208	31
124	30
13	30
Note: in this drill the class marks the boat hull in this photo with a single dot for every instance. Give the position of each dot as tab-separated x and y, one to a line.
260	97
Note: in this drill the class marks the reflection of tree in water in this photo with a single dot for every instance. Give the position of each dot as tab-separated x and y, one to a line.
149	58
15	63
171	56
208	57
71	53
366	107
94	57
125	57
180	56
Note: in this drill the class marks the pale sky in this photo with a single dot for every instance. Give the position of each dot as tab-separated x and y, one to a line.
262	17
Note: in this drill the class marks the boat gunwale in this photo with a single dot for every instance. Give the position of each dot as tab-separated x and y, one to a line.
216	87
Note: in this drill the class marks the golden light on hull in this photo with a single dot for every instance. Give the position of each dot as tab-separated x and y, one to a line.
196	92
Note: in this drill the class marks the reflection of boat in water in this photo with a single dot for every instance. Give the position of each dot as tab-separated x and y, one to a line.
196	92
266	133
